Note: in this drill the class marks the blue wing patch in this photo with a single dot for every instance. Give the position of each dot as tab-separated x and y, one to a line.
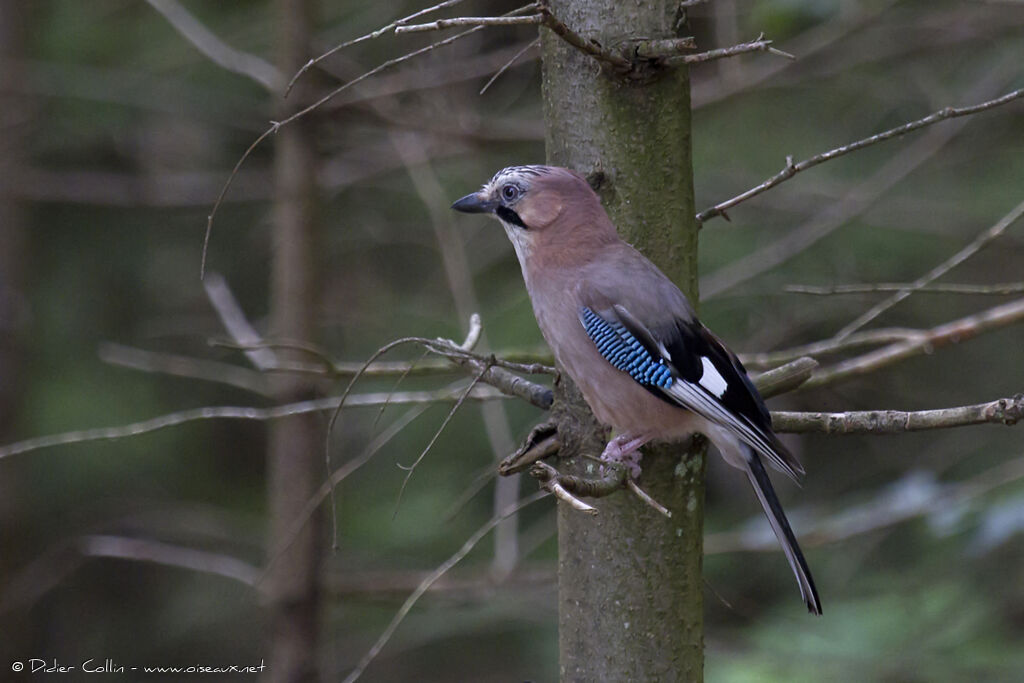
623	350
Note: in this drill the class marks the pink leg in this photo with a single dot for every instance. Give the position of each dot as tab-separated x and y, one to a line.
625	449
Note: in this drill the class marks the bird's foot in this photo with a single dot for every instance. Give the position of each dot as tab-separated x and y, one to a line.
624	450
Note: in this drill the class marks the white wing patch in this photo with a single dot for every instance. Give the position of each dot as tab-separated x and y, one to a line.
711	379
698	399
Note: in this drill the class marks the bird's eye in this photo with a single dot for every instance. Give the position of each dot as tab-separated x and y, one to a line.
509	192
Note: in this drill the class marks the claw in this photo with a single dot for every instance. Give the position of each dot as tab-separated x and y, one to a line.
624	449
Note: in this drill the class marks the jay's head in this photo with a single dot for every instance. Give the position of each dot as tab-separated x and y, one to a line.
540	205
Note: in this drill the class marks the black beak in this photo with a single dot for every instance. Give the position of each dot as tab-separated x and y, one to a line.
474	203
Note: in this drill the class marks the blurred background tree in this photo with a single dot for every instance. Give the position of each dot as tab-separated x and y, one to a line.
119	133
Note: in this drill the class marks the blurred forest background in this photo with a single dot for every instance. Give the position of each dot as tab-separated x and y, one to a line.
118	135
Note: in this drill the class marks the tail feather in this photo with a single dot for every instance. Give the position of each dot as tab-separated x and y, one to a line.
773	510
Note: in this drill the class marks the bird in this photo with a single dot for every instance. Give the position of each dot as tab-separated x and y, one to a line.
630	340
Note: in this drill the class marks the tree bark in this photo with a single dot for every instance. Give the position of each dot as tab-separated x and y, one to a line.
295	456
630	588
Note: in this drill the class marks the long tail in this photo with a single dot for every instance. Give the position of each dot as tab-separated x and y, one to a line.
773	510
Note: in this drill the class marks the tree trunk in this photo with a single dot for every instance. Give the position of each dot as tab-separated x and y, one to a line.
295	457
630	589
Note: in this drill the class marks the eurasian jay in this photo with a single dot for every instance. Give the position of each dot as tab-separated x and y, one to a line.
629	338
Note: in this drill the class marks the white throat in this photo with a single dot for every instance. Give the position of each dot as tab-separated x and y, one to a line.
520	240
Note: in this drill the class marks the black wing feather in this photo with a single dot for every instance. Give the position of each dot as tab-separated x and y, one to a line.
683	344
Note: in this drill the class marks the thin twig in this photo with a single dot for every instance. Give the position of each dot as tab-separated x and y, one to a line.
219	52
235	413
156	552
480	480
646	498
394	389
943	335
335	479
183	366
786	377
508	65
325	365
830	346
1007	411
434	576
759	45
895	338
441	24
369	36
528	363
232	317
792	169
409	469
935	288
474	332
979	243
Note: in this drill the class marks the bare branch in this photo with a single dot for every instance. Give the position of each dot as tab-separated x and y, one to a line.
233	318
236	413
156	552
922	340
831	346
759	45
980	242
434	576
441	24
786	377
949	333
516	360
587	47
948	288
48	570
550	481
220	53
792	169
1007	411
541	443
656	48
183	366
